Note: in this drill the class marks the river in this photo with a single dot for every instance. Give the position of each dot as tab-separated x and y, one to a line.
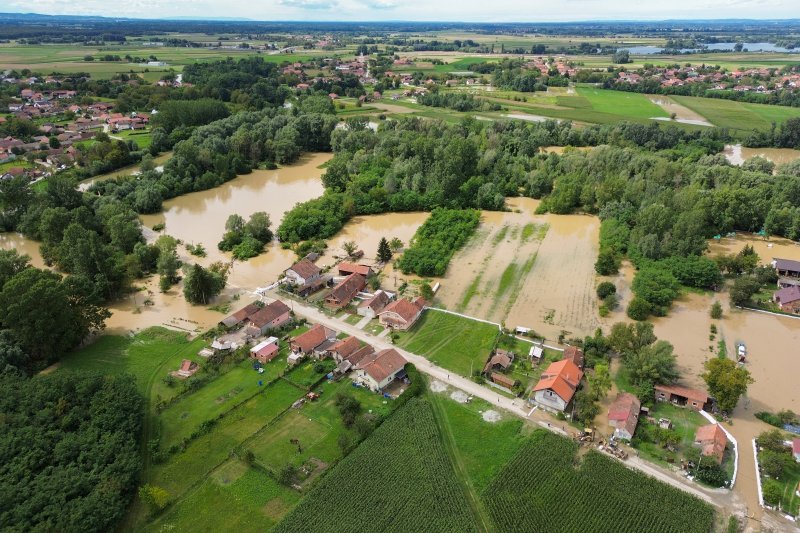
130	170
736	154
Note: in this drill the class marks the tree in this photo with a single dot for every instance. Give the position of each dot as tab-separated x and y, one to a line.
350	248
711	473
772	440
639	309
201	286
154	497
726	382
426	291
599	381
654	363
743	289
234	224
621	57
259	227
384	251
395	245
586	408
716	310
774	463
287	474
626	339
168	262
606	288
773	492
607	263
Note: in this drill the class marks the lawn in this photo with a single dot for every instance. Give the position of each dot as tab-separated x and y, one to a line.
142	138
684	422
633	105
738	115
253	501
452	342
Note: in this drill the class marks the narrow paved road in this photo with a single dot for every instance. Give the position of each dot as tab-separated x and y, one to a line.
516	406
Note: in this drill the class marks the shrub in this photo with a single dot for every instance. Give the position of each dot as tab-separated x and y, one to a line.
606	288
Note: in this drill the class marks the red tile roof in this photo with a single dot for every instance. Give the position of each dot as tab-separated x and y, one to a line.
712	439
563	377
312	338
406	309
377	302
242	314
677	390
346	347
795	446
505	381
347	289
575	354
305	268
360	354
352	268
382	364
268	313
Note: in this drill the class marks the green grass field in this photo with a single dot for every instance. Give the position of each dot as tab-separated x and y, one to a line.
452	342
738	115
633	105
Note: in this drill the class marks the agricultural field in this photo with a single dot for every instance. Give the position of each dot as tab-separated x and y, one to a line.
737	115
633	105
541	489
452	342
400	479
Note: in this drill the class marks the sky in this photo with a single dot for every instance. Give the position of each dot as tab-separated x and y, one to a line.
417	10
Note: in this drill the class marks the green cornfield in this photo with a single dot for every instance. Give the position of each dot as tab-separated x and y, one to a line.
399	479
543	489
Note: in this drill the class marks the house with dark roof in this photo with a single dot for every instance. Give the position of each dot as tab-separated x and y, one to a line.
372	306
499	361
712	441
344	292
557	386
502	380
682	396
377	370
623	415
271	316
307	342
786	267
788	299
302	272
401	314
240	316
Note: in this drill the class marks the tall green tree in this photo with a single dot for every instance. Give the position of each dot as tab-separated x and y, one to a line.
726	382
200	286
384	251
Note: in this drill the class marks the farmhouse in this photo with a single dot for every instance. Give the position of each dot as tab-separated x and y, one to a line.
360	354
345	291
377	370
307	342
188	368
623	415
302	272
574	354
265	351
786	267
344	348
681	396
371	307
401	314
557	386
788	299
501	360
269	317
345	269
712	441
240	316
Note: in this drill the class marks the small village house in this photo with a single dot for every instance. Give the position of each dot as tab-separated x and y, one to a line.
240	316
623	415
712	441
187	369
345	269
535	354
371	307
306	343
357	356
786	267
500	361
376	371
344	292
787	299
557	385
401	314
574	354
503	380
302	272
344	348
271	316
682	396
265	351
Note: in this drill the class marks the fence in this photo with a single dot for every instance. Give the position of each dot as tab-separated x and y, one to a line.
732	439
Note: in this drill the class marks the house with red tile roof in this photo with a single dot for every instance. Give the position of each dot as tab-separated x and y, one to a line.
788	299
344	292
271	316
188	368
623	415
371	307
401	314
302	272
344	348
307	342
377	370
574	354
265	351
240	316
345	269
681	396
557	385
712	441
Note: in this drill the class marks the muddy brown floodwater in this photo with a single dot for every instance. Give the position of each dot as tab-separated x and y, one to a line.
682	113
736	154
130	170
23	245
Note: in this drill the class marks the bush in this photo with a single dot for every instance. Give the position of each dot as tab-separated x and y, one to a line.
716	310
606	288
639	309
437	239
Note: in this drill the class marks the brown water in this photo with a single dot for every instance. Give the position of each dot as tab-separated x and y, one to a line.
561	149
16	241
682	113
130	170
737	154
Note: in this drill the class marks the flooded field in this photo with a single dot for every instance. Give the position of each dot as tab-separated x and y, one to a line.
682	113
736	154
130	170
528	270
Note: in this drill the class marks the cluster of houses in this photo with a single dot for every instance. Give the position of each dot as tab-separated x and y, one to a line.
760	80
348	285
787	297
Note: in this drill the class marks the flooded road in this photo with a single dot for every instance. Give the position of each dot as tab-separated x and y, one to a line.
736	154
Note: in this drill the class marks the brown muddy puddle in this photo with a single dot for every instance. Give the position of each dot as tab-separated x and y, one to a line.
736	154
535	271
683	114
